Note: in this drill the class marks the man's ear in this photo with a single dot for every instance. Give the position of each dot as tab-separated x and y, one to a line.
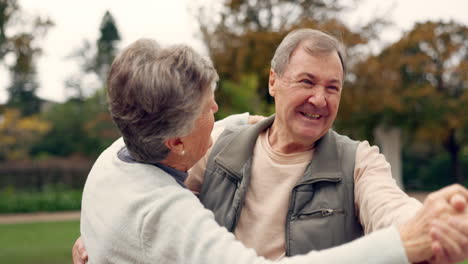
175	144
271	83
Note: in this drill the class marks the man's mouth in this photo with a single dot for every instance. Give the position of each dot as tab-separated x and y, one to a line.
311	116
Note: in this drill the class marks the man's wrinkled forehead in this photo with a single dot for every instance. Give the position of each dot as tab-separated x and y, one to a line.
316	52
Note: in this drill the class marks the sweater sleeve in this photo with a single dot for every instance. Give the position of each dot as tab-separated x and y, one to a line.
379	201
177	229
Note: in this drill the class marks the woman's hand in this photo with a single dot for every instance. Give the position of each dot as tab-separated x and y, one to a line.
253	119
79	254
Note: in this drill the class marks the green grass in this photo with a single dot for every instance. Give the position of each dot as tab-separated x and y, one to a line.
38	243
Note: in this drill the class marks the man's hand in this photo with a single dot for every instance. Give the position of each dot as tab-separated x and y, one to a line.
416	233
450	238
79	254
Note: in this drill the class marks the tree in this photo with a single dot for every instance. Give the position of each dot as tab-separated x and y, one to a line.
420	84
7	9
82	125
22	45
95	60
106	45
22	91
241	41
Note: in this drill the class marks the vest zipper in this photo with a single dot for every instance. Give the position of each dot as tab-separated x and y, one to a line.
324	212
289	218
242	195
314	180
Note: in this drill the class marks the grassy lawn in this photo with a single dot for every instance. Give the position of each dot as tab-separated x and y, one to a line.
38	243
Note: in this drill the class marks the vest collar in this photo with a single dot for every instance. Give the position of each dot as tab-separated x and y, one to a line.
326	163
238	151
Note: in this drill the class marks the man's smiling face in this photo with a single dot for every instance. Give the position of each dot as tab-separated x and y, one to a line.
307	95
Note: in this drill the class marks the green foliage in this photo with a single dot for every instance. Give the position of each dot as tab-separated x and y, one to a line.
78	128
429	172
18	134
38	243
242	97
51	198
67	135
23	96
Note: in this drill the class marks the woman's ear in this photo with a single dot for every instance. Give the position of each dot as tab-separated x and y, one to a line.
176	145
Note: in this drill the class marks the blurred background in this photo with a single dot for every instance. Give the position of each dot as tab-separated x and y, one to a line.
406	90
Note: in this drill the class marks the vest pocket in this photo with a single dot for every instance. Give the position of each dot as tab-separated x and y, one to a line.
319	213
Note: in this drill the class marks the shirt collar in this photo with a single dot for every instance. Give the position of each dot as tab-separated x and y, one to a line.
180	176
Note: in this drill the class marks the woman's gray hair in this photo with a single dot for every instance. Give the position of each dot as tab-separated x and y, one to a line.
314	41
155	93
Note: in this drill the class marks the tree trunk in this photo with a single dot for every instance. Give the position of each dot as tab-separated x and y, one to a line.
453	149
389	139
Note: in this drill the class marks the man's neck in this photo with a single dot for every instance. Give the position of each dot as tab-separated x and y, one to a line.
283	142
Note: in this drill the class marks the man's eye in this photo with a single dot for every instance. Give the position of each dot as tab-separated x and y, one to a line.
306	81
333	88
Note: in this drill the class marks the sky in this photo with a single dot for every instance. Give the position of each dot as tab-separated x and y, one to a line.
172	22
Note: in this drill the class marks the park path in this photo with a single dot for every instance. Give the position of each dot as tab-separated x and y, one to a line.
75	215
39	217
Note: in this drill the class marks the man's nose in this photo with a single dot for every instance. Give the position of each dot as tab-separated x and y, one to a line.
318	98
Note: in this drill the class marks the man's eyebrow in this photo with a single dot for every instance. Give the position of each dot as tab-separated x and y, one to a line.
335	81
311	76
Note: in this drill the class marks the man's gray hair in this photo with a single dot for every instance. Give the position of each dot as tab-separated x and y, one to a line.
155	93
314	42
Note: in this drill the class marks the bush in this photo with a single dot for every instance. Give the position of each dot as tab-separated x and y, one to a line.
430	173
52	198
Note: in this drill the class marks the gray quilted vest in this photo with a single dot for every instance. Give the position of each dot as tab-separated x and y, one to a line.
321	209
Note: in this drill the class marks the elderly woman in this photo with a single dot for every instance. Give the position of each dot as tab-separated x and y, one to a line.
136	208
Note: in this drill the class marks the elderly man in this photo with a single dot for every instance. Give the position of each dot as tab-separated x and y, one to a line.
290	184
